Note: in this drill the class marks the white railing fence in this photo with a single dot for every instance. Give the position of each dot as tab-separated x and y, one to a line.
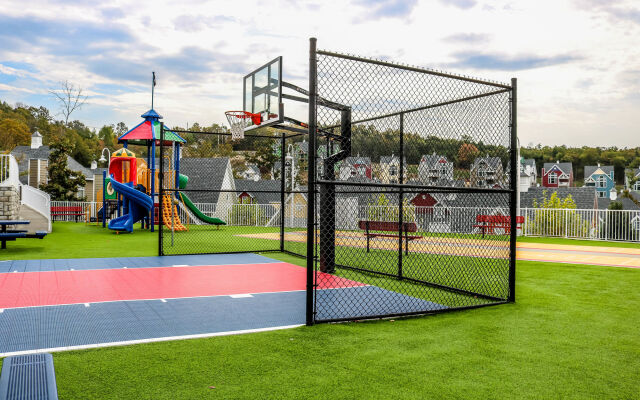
615	225
38	200
9	173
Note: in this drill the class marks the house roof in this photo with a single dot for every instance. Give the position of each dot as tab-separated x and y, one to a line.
357	160
392	158
591	169
529	161
480	200
493	162
255	190
205	174
584	197
432	159
627	204
565	167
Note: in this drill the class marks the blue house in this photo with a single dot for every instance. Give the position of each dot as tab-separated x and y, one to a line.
600	177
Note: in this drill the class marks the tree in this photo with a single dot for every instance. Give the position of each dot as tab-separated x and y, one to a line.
466	154
556	216
121	129
63	182
107	135
70	99
264	156
13	133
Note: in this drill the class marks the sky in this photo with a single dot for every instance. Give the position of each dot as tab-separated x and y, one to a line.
577	61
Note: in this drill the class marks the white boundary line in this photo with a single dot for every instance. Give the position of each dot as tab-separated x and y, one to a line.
164	266
151	340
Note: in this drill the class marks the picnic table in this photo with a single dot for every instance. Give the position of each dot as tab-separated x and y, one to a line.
13	234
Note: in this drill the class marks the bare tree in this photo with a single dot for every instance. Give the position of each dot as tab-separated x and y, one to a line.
70	99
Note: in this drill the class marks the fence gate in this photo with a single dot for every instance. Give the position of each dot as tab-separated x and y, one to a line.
425	251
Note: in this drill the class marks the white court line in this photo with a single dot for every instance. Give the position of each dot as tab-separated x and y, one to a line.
163	300
87	304
140	341
162	266
240	296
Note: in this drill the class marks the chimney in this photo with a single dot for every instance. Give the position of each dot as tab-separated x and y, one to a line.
94	164
36	140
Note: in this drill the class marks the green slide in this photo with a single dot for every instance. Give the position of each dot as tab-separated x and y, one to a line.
198	213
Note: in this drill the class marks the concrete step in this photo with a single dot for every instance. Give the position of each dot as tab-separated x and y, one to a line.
38	221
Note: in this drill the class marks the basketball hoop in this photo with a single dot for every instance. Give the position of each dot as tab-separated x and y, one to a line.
239	120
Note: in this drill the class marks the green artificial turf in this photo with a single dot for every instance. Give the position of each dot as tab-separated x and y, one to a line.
571	334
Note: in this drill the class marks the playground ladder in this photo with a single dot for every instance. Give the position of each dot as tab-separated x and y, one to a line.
171	219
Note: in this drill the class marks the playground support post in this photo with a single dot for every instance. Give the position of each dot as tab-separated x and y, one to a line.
311	209
104	199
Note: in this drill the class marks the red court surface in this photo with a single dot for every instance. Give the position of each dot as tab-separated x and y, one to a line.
32	289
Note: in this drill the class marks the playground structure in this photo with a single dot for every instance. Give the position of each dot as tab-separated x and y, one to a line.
351	100
132	183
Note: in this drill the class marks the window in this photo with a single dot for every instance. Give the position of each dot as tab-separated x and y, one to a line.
602	181
393	170
80	192
553	179
481	172
602	194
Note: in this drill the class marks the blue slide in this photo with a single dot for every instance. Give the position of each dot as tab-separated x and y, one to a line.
136	206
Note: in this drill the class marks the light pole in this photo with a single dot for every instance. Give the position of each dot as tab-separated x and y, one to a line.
102	159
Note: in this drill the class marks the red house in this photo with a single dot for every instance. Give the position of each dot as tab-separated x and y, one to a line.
557	174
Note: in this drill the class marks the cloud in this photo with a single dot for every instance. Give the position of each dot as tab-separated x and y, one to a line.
388	8
505	63
197	23
470	38
112	13
464	4
614	9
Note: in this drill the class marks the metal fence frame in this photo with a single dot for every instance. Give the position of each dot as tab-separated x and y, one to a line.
321	257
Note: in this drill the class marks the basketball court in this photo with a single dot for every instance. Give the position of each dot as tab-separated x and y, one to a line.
64	304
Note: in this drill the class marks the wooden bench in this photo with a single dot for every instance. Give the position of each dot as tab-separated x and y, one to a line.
67	211
489	223
384	226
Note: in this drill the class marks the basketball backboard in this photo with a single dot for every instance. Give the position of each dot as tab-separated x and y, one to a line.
263	93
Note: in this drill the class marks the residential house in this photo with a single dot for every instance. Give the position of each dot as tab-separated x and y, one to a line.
251	173
390	169
636	175
355	167
487	172
528	173
266	191
33	162
584	197
433	168
557	174
601	177
210	181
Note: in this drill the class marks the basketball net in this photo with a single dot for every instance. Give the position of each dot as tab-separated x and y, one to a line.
239	120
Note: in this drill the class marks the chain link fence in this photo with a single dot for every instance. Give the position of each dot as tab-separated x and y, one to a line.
396	223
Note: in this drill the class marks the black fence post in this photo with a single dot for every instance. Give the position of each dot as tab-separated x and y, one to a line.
514	190
160	190
282	189
311	209
401	197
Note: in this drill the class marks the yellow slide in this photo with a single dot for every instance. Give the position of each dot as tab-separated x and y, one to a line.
170	214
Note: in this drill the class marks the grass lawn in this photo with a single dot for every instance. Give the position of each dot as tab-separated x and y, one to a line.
573	333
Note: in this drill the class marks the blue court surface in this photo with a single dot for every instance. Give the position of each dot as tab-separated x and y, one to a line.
62	326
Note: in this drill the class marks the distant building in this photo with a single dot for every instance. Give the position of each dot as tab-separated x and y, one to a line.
433	168
584	197
212	180
390	169
528	172
601	178
33	163
627	182
355	167
487	172
252	173
557	174
264	191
